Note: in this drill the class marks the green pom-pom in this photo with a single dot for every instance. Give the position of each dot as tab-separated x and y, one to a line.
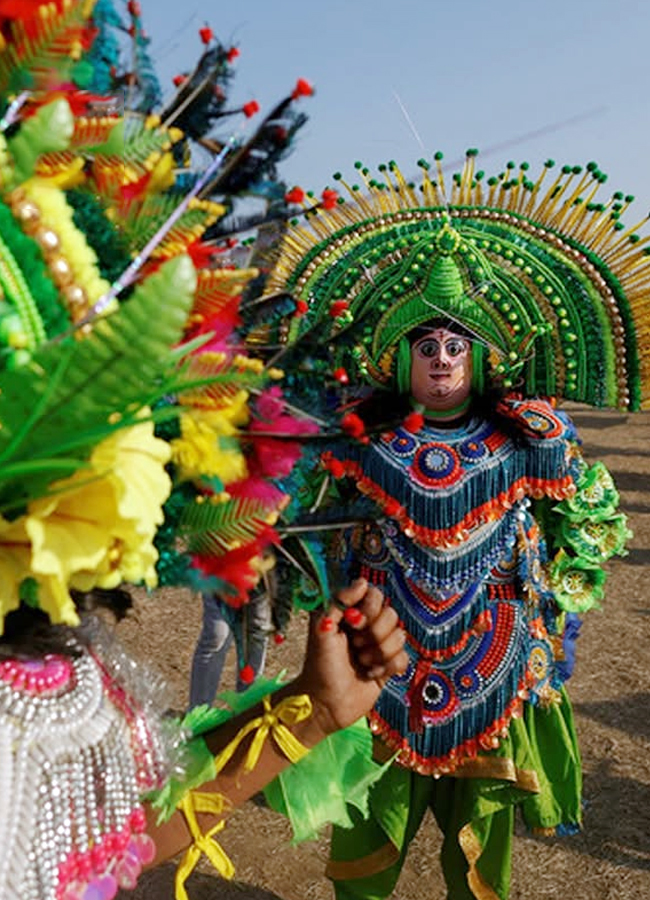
337	176
439	155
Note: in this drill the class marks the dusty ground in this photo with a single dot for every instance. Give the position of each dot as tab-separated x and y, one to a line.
610	691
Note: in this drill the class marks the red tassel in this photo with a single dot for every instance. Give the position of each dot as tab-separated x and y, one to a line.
232	54
302	89
329	199
247	674
179	80
206	34
279	638
301	307
250	109
341	376
338	307
295	195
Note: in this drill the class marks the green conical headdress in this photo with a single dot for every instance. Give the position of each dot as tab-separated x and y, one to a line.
548	279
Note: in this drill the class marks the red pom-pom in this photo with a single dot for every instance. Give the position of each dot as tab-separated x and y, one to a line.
206	34
134	8
232	54
353	425
247	674
329	199
413	422
251	108
301	307
295	195
338	307
179	80
279	638
302	89
341	375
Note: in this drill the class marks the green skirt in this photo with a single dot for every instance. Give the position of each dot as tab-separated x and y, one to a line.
536	768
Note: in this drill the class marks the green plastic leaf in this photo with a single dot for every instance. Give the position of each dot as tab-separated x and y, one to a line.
344	763
211	528
196	759
75	392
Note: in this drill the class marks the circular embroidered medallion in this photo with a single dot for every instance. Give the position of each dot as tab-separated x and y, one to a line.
438	697
402	443
540	661
436	465
468	682
473	450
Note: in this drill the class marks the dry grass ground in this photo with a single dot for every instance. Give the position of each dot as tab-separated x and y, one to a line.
610	860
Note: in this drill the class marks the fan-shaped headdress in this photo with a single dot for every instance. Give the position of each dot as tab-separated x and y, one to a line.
549	279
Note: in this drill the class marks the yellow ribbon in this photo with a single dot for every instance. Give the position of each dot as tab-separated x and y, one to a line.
193	802
274	721
289	711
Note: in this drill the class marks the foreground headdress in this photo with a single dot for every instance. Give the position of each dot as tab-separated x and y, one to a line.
544	275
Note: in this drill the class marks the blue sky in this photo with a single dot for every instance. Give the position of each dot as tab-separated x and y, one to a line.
520	80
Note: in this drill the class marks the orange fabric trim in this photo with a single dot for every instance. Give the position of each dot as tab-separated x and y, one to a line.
558	489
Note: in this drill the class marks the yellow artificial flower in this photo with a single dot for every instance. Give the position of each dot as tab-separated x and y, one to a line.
94	529
207	446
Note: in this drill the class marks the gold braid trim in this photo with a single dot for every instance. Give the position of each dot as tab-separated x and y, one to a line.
377	861
274	722
501	768
471	847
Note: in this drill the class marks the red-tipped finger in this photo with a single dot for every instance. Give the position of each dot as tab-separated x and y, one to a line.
354	617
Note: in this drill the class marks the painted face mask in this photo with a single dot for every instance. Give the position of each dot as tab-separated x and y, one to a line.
441	370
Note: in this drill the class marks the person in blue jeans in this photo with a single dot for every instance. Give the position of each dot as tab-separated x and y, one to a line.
248	626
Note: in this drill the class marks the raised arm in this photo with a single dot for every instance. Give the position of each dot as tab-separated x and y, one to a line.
351	652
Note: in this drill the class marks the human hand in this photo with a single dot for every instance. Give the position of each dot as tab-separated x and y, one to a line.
352	651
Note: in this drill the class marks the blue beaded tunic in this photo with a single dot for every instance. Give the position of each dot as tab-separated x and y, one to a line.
459	555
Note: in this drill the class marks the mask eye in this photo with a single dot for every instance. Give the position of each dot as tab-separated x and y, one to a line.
428	348
456	346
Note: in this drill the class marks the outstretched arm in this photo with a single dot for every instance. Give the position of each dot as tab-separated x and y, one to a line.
351	652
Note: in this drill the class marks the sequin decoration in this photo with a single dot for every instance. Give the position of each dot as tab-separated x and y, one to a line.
74	733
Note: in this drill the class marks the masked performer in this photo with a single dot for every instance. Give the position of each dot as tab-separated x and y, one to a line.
469	316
